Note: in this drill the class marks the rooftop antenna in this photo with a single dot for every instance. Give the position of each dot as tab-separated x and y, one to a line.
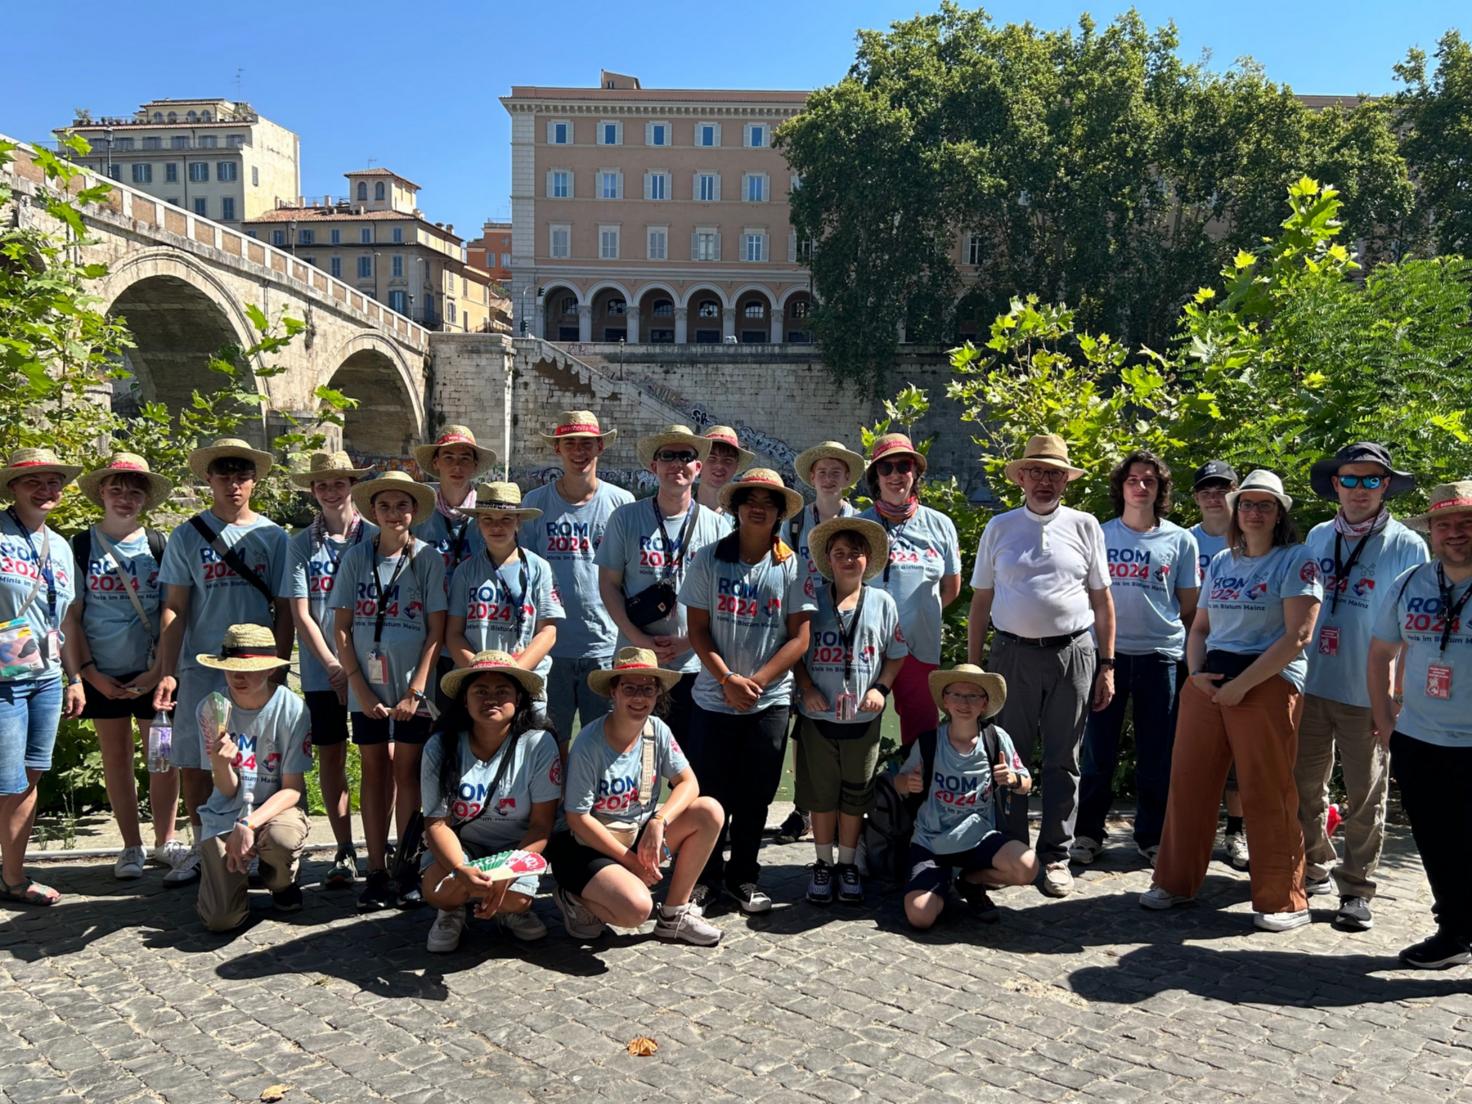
239	73
371	161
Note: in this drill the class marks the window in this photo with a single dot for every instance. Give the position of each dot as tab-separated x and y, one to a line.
335	236
378	192
193	116
397	263
227	208
153	143
199	172
559	184
227	171
706	245
656	134
278	237
255	176
505	260
559	133
755	310
235	141
204	116
365	235
202	206
973	249
398	234
363	190
656	185
659	244
608	243
707	134
610	133
610	184
179	141
335	267
122	144
115	171
365	268
175	201
754	187
756	135
310	260
450	312
142	174
801	251
560	245
569	307
707	187
171	172
173	117
208	141
664	308
800	308
398	300
754	245
617	308
305	237
158	116
708	308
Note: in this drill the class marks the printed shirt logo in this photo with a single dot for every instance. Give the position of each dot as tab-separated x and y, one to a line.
1257	592
215	570
1309	571
1362	587
1426	619
617	794
572	540
554	772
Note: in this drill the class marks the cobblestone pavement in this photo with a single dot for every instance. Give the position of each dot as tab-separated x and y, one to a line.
118	994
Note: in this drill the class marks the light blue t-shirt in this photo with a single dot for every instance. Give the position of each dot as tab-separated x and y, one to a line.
455	541
605	784
748	605
534	776
960	809
1339	654
1207	546
634	545
1438	705
1146	572
409	592
1243	597
488	599
119	640
922	551
220	597
810	522
21	564
274	740
313	569
875	639
568	538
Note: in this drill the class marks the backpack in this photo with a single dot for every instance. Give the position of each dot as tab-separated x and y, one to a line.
82	552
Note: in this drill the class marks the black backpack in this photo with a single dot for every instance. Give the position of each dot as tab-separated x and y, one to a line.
82	553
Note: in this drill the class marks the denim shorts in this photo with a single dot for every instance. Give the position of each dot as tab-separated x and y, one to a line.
30	710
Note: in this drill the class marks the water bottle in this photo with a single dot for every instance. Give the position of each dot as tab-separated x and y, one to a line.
160	743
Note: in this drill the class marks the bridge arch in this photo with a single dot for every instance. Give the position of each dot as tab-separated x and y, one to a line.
389	417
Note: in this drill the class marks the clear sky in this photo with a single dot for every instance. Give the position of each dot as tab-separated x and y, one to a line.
414	87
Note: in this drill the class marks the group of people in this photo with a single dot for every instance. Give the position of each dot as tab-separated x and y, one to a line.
456	631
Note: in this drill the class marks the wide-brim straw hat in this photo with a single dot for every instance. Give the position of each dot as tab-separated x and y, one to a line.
246	648
422	494
1263	482
631	661
328	465
1321	475
578	423
126	463
1046	450
871	531
761	479
671	435
725	435
499	663
201	458
485	459
34	461
994	685
501	500
892	445
829	450
1446	498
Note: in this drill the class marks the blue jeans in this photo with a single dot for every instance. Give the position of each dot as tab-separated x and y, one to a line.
568	693
30	710
1149	683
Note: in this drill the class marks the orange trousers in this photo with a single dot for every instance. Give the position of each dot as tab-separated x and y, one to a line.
1261	736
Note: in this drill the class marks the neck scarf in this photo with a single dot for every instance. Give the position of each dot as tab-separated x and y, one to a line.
896	514
453	512
1363	528
319	528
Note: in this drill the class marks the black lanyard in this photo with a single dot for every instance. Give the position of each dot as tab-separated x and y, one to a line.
457	543
381	591
672	563
351	537
893	545
846	636
501	585
43	569
1342	570
1449	612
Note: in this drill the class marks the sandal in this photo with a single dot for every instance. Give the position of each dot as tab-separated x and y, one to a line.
29	892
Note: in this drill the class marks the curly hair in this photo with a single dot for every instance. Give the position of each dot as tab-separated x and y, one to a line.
1121	472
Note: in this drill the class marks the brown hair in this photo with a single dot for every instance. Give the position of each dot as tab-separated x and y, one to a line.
1121	472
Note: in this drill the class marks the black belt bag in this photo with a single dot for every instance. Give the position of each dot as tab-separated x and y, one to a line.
651	604
1230	664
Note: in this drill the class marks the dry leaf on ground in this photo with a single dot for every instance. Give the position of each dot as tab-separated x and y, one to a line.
642	1047
273	1093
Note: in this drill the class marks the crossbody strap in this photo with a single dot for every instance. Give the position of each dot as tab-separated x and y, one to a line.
232	558
117	565
648	775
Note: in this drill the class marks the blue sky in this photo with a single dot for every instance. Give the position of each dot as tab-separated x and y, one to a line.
313	66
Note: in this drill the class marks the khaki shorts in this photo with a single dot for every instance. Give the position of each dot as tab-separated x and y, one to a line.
223	903
836	774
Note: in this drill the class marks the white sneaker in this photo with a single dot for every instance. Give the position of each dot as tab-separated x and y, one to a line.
1057	879
1157	898
1085	850
578	920
445	932
685	924
1281	921
526	926
1238	857
130	864
750	898
182	861
1149	854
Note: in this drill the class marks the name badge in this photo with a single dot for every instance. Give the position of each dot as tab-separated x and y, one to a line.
846	706
376	668
1329	640
53	644
1439	681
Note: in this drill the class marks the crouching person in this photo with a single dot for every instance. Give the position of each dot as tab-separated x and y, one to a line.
257	760
609	861
956	828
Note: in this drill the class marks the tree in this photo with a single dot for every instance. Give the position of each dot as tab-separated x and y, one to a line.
1435	111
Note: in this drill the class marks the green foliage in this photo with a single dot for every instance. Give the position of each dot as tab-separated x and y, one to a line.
1435	114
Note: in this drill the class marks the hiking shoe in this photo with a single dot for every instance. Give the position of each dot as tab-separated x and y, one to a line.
1157	898
820	884
1057	879
1149	854
1281	921
526	926
850	885
1085	849
1238	857
182	861
750	898
1354	914
344	870
130	864
1319	887
685	924
408	894
445	932
797	826
288	899
378	893
578	920
1438	952
976	898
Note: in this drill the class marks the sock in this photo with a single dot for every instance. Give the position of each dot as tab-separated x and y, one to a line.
846	855
669	912
824	852
1234	824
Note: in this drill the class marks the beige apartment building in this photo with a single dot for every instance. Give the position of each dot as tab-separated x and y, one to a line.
214	157
376	238
653	215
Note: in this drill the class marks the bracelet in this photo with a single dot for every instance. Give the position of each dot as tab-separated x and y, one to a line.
89	663
1398	699
730	674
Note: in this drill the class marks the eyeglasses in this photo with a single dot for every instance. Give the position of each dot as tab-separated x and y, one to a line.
967	699
638	691
1253	506
894	467
1368	482
677	456
1044	474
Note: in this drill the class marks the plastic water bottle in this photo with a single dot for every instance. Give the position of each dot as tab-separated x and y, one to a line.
160	743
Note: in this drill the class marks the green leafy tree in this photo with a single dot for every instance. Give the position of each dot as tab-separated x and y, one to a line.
1435	112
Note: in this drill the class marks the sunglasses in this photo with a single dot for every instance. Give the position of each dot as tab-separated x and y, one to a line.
677	456
1368	482
894	467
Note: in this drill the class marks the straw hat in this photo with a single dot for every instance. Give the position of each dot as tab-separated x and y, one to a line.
120	463
422	494
1446	498
454	435
246	648
894	445
501	500
994	685
828	450
671	435
33	461
1321	475
631	661
725	435
765	479
578	423
328	465
1045	450
871	531
502	664
1264	482
201	458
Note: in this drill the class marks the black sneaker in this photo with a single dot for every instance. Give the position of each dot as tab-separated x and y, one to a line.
820	884
1437	953
850	885
378	893
978	901
797	826
408	894
288	899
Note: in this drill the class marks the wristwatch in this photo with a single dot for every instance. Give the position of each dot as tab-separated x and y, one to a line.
882	688
1105	661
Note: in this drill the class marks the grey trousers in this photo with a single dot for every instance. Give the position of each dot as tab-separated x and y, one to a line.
1049	691
568	693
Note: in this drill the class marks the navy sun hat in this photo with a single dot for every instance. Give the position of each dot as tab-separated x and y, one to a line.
1213	471
1321	475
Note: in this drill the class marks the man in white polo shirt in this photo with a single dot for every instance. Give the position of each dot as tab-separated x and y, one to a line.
1042	580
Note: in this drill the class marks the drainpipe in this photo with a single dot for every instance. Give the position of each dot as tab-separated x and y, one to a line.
507	398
